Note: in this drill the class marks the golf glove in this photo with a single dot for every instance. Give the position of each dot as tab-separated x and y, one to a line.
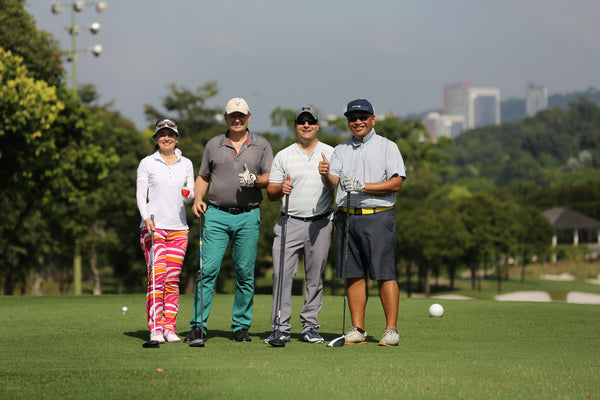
247	178
352	184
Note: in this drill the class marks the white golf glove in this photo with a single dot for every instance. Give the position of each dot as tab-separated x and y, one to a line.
247	178
352	184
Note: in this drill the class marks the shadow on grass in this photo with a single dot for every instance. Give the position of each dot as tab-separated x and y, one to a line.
256	336
142	335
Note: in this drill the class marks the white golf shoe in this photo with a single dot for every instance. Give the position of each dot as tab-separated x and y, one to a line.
390	338
171	337
356	336
157	337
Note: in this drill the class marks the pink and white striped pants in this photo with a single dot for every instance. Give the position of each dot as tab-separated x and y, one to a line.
162	294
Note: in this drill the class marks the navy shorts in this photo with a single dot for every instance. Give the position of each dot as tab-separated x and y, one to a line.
371	246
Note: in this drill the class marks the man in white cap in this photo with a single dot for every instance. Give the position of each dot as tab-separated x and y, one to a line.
235	167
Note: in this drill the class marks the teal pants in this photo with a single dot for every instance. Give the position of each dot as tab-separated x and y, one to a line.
219	229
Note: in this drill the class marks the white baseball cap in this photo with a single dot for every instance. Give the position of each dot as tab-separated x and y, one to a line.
237	104
166	123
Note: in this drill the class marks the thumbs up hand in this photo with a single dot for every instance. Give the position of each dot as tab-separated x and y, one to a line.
287	186
324	165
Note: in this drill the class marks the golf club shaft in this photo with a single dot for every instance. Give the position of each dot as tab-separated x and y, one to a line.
282	261
201	226
346	260
153	307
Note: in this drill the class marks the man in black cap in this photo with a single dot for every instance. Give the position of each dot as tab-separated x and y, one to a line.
295	173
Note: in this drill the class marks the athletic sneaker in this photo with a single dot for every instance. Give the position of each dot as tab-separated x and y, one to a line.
356	336
194	334
241	336
171	336
285	338
390	338
157	337
311	336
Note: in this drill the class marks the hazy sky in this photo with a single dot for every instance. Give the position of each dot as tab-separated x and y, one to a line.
397	53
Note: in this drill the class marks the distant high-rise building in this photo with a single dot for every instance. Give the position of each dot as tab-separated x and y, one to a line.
431	122
536	99
455	98
438	126
483	107
452	125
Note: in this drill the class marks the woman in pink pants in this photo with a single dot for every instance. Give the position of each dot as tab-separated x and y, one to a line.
165	183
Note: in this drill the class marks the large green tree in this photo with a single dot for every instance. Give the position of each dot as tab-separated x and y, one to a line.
39	50
47	160
28	108
492	226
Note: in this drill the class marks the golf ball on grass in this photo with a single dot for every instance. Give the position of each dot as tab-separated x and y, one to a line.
124	310
436	310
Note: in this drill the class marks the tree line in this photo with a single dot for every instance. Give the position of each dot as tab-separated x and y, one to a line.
68	165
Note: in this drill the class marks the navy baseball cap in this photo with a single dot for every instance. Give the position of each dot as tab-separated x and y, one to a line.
359	105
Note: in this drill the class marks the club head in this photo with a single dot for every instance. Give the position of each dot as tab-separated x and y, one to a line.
151	344
277	343
337	342
197	343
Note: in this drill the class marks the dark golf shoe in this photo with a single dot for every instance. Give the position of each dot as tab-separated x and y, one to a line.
194	334
284	337
241	336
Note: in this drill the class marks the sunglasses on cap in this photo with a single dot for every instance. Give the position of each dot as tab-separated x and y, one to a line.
302	121
363	118
166	123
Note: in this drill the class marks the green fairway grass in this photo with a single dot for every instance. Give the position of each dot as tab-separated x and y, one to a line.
63	347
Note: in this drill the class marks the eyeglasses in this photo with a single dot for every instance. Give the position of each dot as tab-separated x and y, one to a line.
303	121
166	122
363	118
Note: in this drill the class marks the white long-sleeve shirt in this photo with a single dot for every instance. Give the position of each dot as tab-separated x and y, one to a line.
158	190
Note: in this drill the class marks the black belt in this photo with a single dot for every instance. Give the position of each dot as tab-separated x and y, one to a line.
234	210
308	219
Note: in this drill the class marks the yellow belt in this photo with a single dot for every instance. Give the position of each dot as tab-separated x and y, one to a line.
363	211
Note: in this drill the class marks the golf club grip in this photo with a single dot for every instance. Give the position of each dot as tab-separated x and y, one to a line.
286	205
347	225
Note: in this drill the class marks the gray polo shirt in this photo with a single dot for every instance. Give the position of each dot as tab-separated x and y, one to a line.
222	165
375	159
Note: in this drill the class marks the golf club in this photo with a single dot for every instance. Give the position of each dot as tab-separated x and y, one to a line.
277	342
152	344
340	341
200	341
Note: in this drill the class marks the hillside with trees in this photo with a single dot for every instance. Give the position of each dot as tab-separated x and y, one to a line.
554	146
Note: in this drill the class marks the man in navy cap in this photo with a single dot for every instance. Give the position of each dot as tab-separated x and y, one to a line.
369	168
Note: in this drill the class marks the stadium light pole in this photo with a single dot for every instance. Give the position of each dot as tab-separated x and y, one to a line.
73	29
